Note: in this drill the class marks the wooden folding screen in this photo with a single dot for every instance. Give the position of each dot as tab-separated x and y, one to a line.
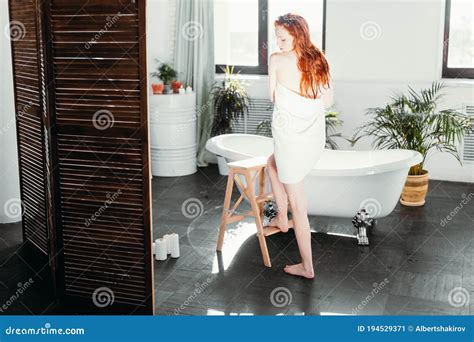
97	147
29	123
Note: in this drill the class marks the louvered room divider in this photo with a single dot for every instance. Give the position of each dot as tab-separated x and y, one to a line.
30	128
83	148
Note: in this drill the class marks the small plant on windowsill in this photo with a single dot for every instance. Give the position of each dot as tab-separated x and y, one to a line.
413	122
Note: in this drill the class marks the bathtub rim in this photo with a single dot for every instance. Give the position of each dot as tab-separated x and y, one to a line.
214	145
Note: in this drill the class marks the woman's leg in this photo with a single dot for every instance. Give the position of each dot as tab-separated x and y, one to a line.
279	193
298	204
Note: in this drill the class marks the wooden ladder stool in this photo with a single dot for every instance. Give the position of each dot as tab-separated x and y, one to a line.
245	168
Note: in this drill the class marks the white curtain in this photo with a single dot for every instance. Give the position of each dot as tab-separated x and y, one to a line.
194	59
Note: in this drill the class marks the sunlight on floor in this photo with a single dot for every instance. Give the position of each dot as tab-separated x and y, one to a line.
233	240
343	235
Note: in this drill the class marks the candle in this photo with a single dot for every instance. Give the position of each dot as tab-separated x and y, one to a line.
160	249
166	237
174	242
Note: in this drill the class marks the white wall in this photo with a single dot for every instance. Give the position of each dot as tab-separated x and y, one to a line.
160	23
402	46
378	47
9	180
160	33
384	40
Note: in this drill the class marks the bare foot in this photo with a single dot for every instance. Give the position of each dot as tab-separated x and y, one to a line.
299	270
277	222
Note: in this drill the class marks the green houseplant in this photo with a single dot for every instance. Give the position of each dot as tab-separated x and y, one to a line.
230	102
413	122
167	74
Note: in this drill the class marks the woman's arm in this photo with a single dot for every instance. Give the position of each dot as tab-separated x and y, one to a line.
328	97
272	78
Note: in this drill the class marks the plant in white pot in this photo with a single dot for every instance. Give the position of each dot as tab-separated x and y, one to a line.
230	102
413	122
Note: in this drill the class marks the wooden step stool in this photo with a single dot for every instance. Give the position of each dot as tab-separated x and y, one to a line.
245	168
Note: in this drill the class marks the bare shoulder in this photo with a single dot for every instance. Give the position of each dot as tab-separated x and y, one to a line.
276	58
283	58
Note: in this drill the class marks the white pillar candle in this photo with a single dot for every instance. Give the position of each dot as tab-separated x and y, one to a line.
166	237
160	249
174	242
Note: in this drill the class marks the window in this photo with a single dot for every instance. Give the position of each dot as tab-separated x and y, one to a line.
458	47
244	32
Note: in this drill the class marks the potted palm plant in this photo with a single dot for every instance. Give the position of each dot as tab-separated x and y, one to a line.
167	74
413	122
230	102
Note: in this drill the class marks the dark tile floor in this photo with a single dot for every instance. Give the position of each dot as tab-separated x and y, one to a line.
25	281
414	264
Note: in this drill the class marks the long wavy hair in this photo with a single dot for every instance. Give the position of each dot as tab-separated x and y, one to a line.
311	60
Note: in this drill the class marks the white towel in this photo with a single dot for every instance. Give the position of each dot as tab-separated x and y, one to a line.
299	133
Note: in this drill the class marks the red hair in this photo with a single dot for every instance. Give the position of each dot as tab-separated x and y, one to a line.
311	60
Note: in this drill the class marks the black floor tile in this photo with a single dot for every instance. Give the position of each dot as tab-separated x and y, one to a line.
416	261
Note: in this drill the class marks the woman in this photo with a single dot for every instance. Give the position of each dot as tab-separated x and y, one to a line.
298	76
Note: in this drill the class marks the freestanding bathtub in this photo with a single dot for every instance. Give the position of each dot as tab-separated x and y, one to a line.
342	182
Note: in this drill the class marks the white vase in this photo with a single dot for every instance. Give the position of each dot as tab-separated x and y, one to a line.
222	164
167	89
173	135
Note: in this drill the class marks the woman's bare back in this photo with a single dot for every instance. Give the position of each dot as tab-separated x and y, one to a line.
286	70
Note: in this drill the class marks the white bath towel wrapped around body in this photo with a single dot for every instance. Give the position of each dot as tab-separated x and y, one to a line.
299	133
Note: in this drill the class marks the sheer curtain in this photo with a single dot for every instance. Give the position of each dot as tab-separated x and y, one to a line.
194	59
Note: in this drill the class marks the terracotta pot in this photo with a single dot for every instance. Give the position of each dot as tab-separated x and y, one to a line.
415	189
175	86
157	88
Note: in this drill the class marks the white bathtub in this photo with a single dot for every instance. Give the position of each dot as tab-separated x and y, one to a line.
342	182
